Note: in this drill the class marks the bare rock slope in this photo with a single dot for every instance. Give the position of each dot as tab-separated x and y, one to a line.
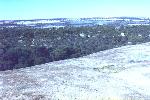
119	74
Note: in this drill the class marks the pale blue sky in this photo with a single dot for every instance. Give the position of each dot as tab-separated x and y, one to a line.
34	9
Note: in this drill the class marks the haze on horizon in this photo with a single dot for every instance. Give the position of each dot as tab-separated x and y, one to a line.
41	9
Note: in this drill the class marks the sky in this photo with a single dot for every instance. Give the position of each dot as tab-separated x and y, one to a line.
42	9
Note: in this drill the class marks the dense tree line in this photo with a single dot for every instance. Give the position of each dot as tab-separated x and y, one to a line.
26	46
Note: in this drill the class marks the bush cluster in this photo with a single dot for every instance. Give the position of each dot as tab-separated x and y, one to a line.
25	46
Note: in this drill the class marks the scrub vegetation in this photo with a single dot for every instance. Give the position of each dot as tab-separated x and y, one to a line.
25	46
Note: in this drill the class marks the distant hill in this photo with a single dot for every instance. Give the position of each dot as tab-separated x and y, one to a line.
62	22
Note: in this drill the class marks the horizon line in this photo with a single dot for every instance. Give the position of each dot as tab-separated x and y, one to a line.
76	18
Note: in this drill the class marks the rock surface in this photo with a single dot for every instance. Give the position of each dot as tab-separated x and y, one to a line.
117	74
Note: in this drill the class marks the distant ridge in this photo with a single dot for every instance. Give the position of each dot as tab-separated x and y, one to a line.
77	22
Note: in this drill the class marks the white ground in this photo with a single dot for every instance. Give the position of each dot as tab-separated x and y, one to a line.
37	21
116	74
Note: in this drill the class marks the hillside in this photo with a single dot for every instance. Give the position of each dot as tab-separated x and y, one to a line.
24	47
119	73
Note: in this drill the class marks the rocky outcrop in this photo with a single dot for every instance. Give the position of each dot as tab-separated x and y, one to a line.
119	74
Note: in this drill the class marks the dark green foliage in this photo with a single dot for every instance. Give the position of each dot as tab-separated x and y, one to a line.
42	52
41	60
65	52
24	46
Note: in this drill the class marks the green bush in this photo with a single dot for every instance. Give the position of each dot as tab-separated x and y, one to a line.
26	46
